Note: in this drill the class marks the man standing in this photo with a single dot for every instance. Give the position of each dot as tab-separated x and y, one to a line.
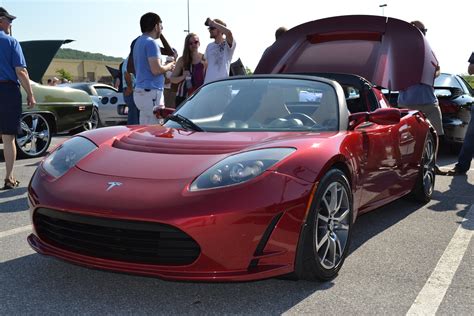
467	149
148	68
12	70
219	53
421	97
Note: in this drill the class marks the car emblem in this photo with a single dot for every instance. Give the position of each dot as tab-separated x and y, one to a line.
113	184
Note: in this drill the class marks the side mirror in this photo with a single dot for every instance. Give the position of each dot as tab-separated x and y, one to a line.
163	113
386	116
443	93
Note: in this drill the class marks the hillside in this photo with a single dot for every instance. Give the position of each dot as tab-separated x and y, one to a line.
67	53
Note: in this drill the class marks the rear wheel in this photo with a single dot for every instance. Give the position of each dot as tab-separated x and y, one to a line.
93	122
326	235
35	136
424	186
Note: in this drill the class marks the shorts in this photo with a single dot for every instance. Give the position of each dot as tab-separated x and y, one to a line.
10	109
432	113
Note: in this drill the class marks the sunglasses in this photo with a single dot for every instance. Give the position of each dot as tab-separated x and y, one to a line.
211	28
194	43
6	19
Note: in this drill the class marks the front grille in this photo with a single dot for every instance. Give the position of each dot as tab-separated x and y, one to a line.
122	240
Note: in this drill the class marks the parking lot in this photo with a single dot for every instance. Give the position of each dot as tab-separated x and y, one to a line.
404	257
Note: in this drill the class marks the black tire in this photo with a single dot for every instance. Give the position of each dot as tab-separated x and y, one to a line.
424	186
35	136
93	122
326	235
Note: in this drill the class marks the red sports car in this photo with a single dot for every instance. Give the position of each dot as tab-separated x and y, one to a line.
251	178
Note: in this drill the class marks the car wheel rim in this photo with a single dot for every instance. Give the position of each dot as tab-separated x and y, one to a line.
332	226
34	136
428	167
93	121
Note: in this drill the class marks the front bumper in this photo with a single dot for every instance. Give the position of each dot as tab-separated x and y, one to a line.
229	224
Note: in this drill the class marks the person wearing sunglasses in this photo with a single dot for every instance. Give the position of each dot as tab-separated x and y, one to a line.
219	53
12	73
190	69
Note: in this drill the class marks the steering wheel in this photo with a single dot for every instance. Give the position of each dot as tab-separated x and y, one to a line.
304	118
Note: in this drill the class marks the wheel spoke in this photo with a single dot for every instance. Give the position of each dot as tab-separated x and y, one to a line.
323	258
323	218
323	240
34	139
34	123
342	217
332	252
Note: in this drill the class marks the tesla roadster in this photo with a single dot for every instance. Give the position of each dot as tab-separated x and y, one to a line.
252	177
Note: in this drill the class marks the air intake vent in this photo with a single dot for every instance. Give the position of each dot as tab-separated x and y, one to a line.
122	240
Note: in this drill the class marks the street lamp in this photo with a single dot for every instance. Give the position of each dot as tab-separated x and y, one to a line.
189	29
383	6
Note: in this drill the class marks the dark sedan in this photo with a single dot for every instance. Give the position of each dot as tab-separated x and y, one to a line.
455	98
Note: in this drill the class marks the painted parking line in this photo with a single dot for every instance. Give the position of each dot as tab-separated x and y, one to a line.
15	231
431	295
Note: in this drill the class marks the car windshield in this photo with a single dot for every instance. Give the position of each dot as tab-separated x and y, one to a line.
263	104
445	80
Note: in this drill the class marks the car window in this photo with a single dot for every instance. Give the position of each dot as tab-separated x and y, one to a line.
103	91
446	80
263	104
465	86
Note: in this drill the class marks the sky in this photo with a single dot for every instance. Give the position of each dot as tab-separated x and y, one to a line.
108	26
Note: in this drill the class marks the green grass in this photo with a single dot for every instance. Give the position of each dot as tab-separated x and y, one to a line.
470	80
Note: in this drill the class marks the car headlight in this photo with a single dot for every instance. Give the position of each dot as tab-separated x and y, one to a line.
239	168
67	155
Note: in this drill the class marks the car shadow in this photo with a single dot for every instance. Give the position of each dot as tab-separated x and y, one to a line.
375	222
47	285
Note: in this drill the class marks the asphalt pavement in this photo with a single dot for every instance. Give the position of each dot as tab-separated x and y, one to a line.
405	258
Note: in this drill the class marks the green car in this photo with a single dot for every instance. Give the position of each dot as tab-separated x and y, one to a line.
57	109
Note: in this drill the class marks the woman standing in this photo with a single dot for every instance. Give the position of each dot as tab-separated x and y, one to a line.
190	69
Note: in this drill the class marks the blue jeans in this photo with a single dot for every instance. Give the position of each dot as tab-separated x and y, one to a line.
467	150
133	117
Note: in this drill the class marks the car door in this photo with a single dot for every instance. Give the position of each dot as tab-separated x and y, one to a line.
384	150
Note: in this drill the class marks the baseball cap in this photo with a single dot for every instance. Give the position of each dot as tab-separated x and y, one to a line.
4	13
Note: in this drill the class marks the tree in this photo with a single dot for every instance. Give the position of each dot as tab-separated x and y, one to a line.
248	71
63	74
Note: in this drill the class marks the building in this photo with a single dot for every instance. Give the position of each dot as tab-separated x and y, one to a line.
82	70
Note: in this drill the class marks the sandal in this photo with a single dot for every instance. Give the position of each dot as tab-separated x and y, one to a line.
9	184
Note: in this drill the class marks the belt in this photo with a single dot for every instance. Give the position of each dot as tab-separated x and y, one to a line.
8	81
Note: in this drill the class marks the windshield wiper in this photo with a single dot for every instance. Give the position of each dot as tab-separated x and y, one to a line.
184	122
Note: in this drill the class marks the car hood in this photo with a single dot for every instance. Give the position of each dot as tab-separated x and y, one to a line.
373	47
157	152
39	54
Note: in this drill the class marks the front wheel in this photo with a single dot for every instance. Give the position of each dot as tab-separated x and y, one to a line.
326	235
35	136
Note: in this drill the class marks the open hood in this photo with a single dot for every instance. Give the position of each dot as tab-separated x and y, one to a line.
39	54
390	53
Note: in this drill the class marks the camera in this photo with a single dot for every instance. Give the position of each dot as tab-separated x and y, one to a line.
206	23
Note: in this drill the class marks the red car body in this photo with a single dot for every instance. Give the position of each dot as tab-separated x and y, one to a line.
138	183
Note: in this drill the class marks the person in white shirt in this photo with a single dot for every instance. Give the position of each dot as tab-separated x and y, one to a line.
218	53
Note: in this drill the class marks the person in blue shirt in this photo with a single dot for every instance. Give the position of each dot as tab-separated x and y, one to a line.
422	97
149	72
12	73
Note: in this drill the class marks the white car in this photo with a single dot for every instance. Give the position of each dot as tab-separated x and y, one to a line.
109	105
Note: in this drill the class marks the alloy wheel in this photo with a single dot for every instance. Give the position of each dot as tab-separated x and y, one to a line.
35	135
332	226
428	167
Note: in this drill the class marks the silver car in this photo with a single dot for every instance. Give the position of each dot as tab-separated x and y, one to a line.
109	104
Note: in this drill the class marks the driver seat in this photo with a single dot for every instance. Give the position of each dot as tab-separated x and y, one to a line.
272	106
